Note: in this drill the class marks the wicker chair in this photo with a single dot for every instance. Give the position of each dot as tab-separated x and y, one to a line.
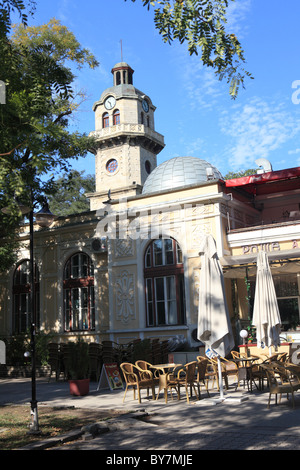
258	372
282	357
214	364
238	355
210	372
231	369
144	365
186	377
138	379
280	382
202	376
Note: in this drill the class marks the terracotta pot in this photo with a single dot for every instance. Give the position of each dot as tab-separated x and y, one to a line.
79	388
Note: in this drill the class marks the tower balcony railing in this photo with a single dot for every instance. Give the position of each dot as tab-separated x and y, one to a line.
129	129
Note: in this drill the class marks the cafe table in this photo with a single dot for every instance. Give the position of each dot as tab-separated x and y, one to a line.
165	369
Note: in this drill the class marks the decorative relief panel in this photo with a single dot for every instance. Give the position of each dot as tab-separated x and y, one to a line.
198	232
124	247
125	297
199	210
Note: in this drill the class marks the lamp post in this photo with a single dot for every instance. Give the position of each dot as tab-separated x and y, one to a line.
244	334
44	218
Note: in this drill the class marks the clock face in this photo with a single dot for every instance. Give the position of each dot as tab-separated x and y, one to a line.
110	102
145	106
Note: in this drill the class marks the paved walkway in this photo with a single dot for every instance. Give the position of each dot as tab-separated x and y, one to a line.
244	423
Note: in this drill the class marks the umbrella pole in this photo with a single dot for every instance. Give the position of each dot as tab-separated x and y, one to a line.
220	378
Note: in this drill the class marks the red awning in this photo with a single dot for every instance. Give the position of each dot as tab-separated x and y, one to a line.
249	183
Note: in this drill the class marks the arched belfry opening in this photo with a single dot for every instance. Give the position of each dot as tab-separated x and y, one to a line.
123	74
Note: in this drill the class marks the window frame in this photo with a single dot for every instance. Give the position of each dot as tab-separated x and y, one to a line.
172	273
22	296
77	317
116	117
287	288
105	120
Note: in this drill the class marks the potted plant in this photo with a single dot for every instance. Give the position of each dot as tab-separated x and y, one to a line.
78	368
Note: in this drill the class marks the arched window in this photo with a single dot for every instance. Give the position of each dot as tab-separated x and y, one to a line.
105	120
116	117
148	167
164	283
79	301
118	78
22	298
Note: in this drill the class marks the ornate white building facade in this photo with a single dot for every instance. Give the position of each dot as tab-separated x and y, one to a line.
129	268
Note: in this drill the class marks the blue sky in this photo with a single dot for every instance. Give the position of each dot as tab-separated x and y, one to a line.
194	110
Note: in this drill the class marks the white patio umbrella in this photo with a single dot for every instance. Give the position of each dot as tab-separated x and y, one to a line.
266	316
214	327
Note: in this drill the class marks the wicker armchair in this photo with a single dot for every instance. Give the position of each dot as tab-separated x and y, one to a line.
186	377
138	379
280	382
214	364
202	374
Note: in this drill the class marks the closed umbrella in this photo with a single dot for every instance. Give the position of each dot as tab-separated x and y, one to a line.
266	316
214	327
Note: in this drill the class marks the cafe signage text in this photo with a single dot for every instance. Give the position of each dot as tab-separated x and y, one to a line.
271	246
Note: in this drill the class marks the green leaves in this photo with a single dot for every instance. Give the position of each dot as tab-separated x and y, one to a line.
34	123
7	7
69	193
201	24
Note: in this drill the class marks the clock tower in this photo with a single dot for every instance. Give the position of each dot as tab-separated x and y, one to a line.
126	143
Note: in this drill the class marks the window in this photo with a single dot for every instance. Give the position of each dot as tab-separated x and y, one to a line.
287	291
148	167
164	283
112	165
105	120
288	297
116	117
79	301
22	298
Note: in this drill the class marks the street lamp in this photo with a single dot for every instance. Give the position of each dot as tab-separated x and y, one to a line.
244	334
44	218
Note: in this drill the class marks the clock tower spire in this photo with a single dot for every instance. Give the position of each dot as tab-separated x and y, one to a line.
126	143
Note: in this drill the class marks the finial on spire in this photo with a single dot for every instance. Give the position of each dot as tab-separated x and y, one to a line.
121	50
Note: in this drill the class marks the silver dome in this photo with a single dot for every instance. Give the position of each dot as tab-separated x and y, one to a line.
179	172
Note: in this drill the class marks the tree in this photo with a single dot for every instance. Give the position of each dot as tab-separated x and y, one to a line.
7	7
34	136
239	174
69	193
201	23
